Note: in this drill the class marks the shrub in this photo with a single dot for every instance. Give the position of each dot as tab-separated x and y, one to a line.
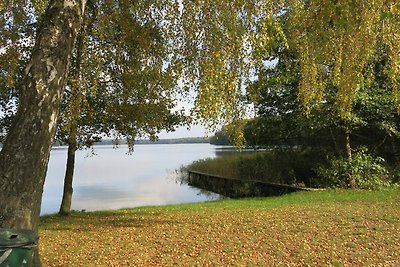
366	171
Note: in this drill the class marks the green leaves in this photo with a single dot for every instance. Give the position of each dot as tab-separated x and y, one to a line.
367	171
120	83
213	48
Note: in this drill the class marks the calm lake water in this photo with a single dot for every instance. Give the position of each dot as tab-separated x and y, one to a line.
111	179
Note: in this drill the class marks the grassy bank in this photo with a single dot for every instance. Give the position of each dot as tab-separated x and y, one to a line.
332	228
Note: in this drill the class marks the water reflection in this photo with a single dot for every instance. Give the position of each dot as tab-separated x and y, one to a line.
111	179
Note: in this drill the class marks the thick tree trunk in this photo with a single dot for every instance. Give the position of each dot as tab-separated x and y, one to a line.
26	150
65	207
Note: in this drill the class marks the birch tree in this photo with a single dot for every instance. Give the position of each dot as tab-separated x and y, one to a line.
337	39
26	149
119	88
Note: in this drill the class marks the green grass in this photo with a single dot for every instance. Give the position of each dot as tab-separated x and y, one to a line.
327	228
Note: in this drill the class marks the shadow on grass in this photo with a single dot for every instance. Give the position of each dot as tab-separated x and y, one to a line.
81	221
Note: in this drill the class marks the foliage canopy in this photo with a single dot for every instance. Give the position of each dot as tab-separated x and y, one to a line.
336	40
215	47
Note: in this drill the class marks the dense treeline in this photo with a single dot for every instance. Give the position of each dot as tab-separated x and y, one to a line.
373	123
358	149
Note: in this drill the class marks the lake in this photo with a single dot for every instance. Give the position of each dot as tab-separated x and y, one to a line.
112	179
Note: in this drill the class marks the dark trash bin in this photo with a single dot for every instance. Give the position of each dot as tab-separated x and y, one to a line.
17	247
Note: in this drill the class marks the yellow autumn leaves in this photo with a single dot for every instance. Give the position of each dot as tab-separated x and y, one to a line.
337	39
344	232
215	46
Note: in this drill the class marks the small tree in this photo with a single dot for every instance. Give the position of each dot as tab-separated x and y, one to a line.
130	92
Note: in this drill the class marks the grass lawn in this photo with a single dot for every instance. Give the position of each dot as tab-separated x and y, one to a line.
330	228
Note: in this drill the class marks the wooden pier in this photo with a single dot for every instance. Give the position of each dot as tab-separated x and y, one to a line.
237	188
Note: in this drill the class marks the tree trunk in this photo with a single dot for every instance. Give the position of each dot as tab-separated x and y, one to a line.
26	150
25	153
396	156
395	151
350	182
65	207
75	112
347	147
334	141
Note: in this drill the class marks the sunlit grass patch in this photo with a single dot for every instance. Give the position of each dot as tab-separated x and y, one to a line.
332	228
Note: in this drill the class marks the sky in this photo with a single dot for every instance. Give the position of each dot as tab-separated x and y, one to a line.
181	132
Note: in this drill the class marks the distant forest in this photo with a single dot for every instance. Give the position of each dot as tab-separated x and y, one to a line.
186	140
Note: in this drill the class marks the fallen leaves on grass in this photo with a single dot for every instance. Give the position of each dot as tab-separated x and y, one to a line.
316	234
